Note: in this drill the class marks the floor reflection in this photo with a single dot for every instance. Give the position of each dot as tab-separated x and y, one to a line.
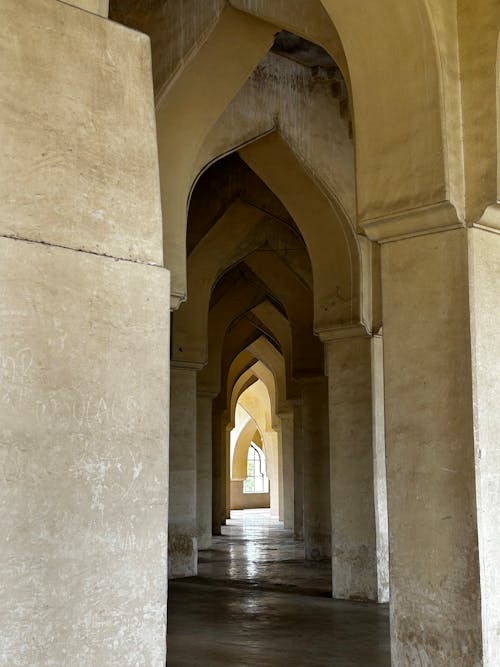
256	602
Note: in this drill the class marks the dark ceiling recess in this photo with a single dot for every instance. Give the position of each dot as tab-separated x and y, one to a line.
323	66
301	51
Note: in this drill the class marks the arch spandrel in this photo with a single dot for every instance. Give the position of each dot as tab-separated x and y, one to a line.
396	104
189	107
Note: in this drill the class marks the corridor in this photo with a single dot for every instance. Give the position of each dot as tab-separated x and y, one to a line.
256	602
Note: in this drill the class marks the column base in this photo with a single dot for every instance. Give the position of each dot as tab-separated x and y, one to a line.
182	556
204	542
353	576
317	546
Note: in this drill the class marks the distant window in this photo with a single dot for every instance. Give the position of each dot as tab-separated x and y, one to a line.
256	481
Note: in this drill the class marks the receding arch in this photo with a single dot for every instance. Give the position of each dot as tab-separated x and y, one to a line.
184	117
240	231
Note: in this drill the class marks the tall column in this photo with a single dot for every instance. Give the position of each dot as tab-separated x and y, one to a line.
484	272
279	457
287	446
273	472
204	469
380	468
84	344
434	565
317	522
354	561
298	471
182	514
226	467
219	445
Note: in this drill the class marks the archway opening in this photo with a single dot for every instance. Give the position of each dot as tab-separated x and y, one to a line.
273	260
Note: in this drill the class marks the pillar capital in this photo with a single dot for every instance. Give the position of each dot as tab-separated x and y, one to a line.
490	220
176	299
186	365
206	393
335	334
414	222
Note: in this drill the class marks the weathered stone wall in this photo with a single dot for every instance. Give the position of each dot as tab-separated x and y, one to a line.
247	501
83	344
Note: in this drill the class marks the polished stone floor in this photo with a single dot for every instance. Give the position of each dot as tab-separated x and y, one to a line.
255	602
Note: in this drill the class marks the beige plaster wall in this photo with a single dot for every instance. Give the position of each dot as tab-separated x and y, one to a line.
84	465
247	501
479	21
78	166
396	110
484	268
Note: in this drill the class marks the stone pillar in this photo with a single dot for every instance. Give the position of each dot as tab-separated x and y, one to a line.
484	272
317	522
182	515
84	347
220	499
204	469
226	467
273	471
298	471
434	565
279	457
287	451
354	562
379	468
216	473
